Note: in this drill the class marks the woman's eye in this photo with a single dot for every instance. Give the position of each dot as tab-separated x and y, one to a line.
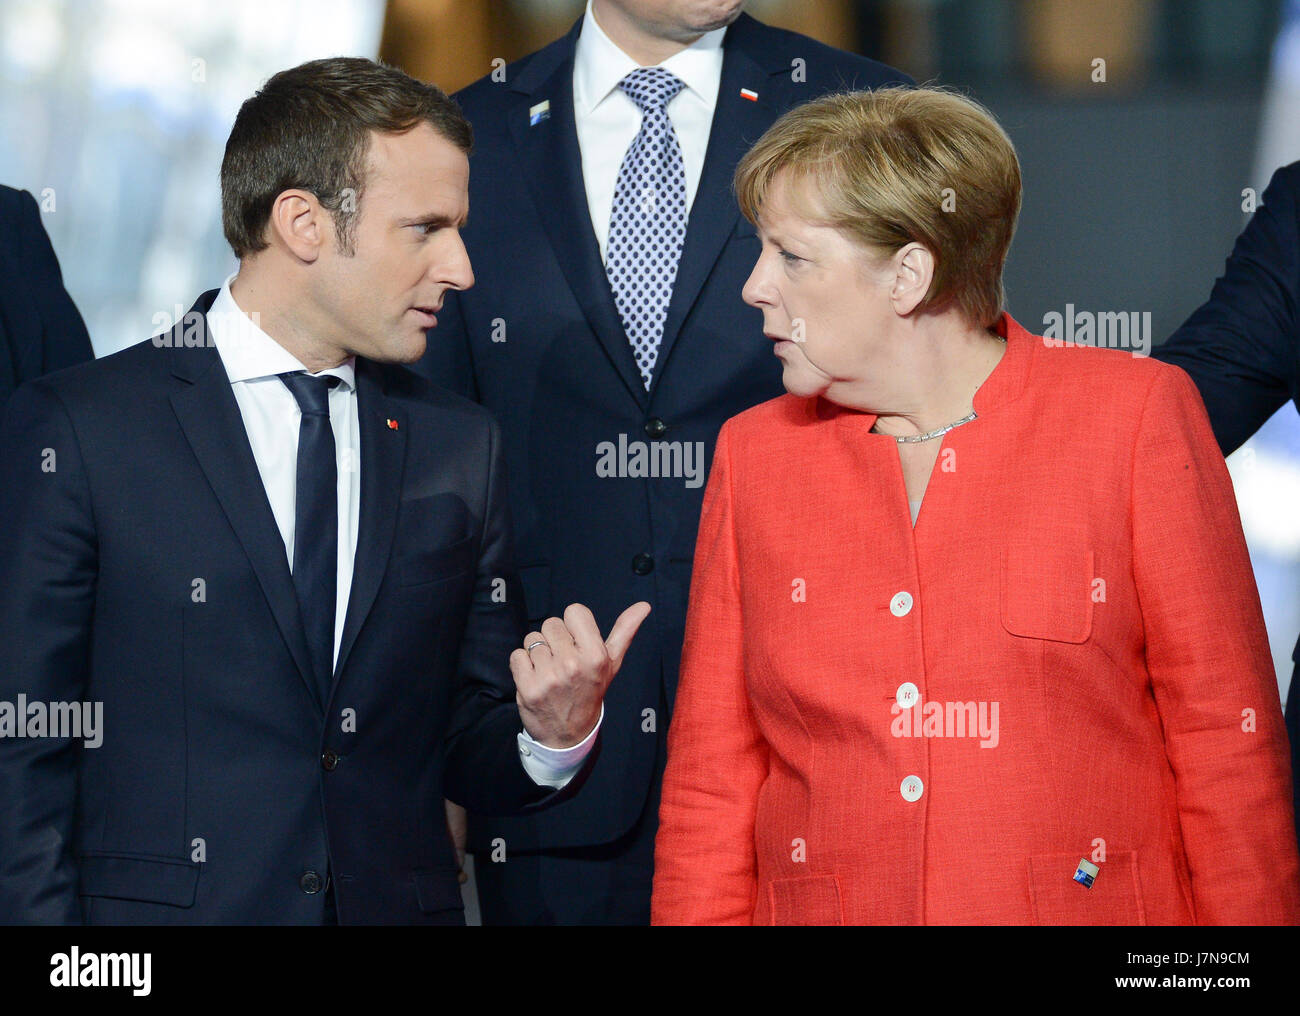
789	258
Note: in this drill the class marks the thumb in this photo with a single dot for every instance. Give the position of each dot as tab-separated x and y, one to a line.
620	636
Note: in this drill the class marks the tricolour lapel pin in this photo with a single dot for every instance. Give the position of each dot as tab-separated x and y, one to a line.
1085	873
746	93
538	113
392	424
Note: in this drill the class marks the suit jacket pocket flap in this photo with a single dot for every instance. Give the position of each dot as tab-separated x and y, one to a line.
148	879
438	890
811	900
1048	594
1115	896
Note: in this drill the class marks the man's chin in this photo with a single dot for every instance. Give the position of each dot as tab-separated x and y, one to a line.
721	21
413	351
409	351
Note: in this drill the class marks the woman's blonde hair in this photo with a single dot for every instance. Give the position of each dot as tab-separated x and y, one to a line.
896	166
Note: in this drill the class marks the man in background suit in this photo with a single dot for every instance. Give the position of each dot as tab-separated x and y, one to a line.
1242	348
40	328
257	602
608	336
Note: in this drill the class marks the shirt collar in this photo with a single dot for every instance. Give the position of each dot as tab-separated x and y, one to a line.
599	65
249	354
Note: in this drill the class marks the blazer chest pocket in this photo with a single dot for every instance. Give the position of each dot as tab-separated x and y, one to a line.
437	564
1047	593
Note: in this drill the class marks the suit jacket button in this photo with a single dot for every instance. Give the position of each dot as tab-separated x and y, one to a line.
330	761
643	564
310	883
655	427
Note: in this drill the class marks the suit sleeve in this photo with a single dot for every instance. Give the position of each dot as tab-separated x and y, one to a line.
484	773
1241	346
1210	667
48	567
705	861
64	340
446	361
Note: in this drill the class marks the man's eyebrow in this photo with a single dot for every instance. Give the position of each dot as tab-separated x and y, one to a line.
434	219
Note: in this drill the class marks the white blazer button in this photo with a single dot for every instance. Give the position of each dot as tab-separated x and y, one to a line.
901	604
912	788
908	695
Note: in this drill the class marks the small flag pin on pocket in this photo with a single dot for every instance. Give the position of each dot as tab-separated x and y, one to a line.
538	113
746	93
1085	873
392	424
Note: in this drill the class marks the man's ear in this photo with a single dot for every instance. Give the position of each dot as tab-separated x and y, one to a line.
301	223
913	273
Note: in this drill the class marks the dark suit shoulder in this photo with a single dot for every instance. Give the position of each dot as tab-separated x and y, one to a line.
113	378
826	65
15	205
401	382
1287	179
487	93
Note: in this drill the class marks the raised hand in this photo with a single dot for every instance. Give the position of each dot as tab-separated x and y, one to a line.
562	672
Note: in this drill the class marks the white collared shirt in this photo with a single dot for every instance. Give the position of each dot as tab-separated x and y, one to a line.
608	120
253	360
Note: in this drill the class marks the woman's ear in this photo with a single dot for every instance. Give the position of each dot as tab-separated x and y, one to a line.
913	273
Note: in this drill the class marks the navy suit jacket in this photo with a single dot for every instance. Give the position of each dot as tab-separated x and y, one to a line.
40	328
538	341
1242	348
141	567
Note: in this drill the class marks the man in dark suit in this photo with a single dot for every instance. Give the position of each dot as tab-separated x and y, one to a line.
257	602
1242	348
40	328
608	336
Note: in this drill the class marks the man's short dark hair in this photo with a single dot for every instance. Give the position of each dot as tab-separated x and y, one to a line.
309	128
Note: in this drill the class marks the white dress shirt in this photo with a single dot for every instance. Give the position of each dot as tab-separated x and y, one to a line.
608	120
253	360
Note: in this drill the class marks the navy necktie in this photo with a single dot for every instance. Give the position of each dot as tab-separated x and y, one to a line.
647	226
316	521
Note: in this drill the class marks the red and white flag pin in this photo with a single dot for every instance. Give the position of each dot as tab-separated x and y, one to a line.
750	94
392	424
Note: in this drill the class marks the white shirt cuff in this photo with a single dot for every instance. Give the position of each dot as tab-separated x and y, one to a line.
555	767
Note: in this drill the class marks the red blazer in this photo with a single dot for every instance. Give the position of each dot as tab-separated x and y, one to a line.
1065	660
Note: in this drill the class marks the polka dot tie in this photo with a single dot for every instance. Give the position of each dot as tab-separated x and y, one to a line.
648	224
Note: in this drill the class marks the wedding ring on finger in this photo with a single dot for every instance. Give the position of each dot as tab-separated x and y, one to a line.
533	645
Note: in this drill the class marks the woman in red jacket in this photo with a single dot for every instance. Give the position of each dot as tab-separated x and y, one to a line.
973	636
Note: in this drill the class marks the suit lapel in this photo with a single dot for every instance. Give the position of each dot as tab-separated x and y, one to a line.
383	453
213	426
552	166
737	123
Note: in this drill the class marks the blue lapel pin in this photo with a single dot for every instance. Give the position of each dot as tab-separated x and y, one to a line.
538	113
